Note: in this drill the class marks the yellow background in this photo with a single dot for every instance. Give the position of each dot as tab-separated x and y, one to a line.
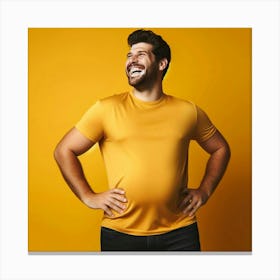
69	69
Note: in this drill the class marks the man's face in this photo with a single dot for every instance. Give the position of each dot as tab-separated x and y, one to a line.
141	65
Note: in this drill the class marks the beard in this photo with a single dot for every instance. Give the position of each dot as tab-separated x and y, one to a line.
138	80
139	77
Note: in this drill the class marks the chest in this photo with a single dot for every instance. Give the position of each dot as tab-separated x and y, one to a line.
158	124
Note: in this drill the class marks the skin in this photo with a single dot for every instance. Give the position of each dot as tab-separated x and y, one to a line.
219	152
66	154
147	86
151	88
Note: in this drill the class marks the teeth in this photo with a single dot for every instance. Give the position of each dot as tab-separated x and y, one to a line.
135	71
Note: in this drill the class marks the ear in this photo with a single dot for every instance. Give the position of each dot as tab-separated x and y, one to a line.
163	64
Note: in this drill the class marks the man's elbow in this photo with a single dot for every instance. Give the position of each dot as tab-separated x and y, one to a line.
56	153
227	151
60	152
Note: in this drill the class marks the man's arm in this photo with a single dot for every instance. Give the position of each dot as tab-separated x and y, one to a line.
219	152
72	145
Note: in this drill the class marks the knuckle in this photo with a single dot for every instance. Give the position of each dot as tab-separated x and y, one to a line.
109	204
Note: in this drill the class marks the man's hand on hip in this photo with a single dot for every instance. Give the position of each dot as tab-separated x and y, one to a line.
113	199
192	200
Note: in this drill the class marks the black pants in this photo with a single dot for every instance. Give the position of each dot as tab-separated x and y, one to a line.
182	239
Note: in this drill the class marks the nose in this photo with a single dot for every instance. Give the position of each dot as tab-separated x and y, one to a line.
133	59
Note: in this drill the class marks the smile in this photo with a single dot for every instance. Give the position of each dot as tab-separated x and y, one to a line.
136	71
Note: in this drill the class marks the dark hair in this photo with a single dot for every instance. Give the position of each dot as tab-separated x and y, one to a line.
160	48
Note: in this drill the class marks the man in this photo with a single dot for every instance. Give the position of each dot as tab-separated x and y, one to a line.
144	137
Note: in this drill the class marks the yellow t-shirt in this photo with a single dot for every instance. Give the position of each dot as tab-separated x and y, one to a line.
145	149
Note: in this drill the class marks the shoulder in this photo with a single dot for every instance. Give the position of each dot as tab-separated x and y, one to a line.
102	105
113	99
181	103
106	103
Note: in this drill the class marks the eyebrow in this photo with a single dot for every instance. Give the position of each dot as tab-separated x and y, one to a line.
140	51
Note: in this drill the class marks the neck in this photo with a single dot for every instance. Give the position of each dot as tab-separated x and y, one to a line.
150	94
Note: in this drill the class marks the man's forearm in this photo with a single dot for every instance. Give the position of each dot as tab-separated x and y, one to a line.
72	172
215	170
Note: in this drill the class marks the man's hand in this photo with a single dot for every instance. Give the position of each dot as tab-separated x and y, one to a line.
110	200
218	148
192	200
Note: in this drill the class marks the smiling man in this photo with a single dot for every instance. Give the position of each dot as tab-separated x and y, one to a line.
144	138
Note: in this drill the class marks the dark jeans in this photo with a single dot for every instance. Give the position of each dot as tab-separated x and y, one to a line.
182	239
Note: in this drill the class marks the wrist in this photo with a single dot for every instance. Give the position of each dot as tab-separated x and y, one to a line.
206	193
87	196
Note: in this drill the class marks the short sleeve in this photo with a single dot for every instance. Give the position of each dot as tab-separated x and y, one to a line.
91	123
204	129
